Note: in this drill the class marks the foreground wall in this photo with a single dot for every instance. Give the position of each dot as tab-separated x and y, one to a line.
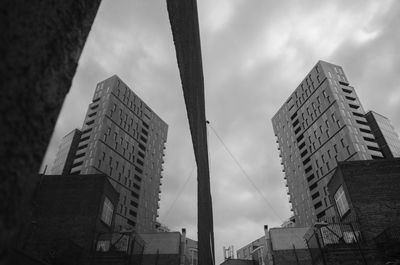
41	45
372	188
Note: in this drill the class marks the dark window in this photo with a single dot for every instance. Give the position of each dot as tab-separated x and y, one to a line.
315	195
313	186
320	215
138	178
132	213
317	205
135	195
311	177
134	204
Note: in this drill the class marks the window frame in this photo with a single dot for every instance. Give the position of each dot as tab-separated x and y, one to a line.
341	202
107	211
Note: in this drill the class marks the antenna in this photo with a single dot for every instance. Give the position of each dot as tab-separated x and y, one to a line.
228	252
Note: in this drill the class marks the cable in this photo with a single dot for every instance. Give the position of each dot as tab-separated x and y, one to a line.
179	193
249	179
244	172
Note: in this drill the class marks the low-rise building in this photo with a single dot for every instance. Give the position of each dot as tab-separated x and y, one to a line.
192	251
70	214
253	249
366	230
168	248
237	262
279	246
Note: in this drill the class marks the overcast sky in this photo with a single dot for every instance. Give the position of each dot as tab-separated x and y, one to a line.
255	53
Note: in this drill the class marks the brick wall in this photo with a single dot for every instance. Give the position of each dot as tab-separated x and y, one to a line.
67	211
352	257
292	257
372	188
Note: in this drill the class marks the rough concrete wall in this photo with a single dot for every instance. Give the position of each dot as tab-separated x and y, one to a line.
41	45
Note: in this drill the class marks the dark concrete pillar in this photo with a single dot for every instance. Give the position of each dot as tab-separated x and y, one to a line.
41	42
185	30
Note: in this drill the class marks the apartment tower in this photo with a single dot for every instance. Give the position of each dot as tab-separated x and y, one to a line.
386	136
124	139
66	153
321	123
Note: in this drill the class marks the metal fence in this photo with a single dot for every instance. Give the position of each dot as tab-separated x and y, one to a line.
332	234
119	247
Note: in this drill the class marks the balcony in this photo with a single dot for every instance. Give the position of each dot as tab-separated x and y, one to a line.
78	160
76	169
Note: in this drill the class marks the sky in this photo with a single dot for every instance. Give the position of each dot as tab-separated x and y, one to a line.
255	53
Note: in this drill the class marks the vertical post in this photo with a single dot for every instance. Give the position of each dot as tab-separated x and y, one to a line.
295	255
157	256
320	248
358	244
309	249
184	22
132	249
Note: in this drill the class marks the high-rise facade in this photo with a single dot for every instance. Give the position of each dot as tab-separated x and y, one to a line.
386	136
66	153
322	122
124	139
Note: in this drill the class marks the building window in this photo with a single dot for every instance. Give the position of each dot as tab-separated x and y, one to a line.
107	213
341	201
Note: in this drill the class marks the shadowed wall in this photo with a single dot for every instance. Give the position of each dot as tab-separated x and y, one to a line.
41	45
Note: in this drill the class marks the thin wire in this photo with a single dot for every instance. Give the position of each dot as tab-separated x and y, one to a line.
179	194
249	179
244	172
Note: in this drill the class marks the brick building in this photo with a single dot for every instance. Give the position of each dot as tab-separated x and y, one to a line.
286	246
169	248
237	262
70	213
255	248
385	134
366	198
279	246
66	153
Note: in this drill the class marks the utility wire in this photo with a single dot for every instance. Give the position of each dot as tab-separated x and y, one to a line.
244	172
179	193
249	179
